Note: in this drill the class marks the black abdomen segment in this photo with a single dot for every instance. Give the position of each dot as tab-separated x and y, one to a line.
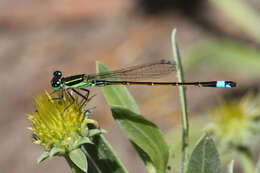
218	84
73	80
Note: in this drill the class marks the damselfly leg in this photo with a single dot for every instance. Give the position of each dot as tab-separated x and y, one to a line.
71	96
84	97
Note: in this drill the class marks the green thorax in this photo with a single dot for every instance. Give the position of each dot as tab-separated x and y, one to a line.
76	81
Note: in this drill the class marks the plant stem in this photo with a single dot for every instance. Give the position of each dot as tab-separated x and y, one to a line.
185	123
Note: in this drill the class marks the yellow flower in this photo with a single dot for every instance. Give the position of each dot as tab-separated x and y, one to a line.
55	128
236	123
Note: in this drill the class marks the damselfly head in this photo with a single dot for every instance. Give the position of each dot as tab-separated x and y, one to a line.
56	82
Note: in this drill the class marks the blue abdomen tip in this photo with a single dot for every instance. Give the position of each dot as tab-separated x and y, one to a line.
223	84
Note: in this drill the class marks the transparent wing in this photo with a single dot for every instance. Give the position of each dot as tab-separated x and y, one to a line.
139	72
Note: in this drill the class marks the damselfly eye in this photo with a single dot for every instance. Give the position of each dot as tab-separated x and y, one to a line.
55	84
57	74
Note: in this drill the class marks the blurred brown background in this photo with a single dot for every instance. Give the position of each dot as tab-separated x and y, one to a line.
38	37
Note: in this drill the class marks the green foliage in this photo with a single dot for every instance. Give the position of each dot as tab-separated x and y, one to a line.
240	13
83	140
205	157
42	157
182	92
230	167
56	151
143	134
236	58
103	155
174	138
117	95
78	158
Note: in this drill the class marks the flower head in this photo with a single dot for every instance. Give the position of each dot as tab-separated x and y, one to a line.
55	125
236	123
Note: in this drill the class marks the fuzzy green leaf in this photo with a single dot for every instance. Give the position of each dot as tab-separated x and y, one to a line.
56	151
93	132
205	157
145	135
81	141
43	156
78	158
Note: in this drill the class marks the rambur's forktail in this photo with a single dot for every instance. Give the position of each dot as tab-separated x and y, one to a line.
127	76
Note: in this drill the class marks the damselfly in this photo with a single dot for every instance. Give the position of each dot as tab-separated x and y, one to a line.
127	76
